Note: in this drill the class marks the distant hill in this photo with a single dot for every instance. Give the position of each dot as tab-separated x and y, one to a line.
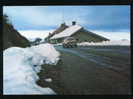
12	37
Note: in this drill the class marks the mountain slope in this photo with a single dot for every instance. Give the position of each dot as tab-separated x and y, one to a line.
12	37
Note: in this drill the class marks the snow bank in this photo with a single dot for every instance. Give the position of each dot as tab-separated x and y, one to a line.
48	52
21	66
106	43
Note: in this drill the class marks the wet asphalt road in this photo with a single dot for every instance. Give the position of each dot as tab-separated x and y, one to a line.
95	70
95	58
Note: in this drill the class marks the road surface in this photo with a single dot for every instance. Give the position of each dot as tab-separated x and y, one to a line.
92	70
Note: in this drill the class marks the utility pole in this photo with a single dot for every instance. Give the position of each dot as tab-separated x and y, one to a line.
63	20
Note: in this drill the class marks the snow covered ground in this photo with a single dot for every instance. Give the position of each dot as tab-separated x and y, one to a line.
21	66
31	35
107	43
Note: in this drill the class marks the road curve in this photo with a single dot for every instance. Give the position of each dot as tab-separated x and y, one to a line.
101	61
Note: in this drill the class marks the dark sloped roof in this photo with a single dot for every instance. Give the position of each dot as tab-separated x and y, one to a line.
58	30
67	32
96	35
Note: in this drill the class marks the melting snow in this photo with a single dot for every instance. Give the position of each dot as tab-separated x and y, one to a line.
21	66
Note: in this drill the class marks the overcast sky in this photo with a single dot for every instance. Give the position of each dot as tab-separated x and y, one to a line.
109	19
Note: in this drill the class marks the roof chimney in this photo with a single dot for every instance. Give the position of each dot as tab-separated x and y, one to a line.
63	24
73	22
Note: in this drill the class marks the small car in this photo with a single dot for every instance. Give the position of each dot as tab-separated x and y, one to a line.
69	42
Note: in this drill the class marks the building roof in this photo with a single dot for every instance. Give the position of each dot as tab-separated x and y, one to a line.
67	32
62	27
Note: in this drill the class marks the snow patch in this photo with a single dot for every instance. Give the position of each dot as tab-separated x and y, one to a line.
48	80
21	66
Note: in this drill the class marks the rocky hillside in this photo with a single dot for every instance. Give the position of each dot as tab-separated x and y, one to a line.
12	37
